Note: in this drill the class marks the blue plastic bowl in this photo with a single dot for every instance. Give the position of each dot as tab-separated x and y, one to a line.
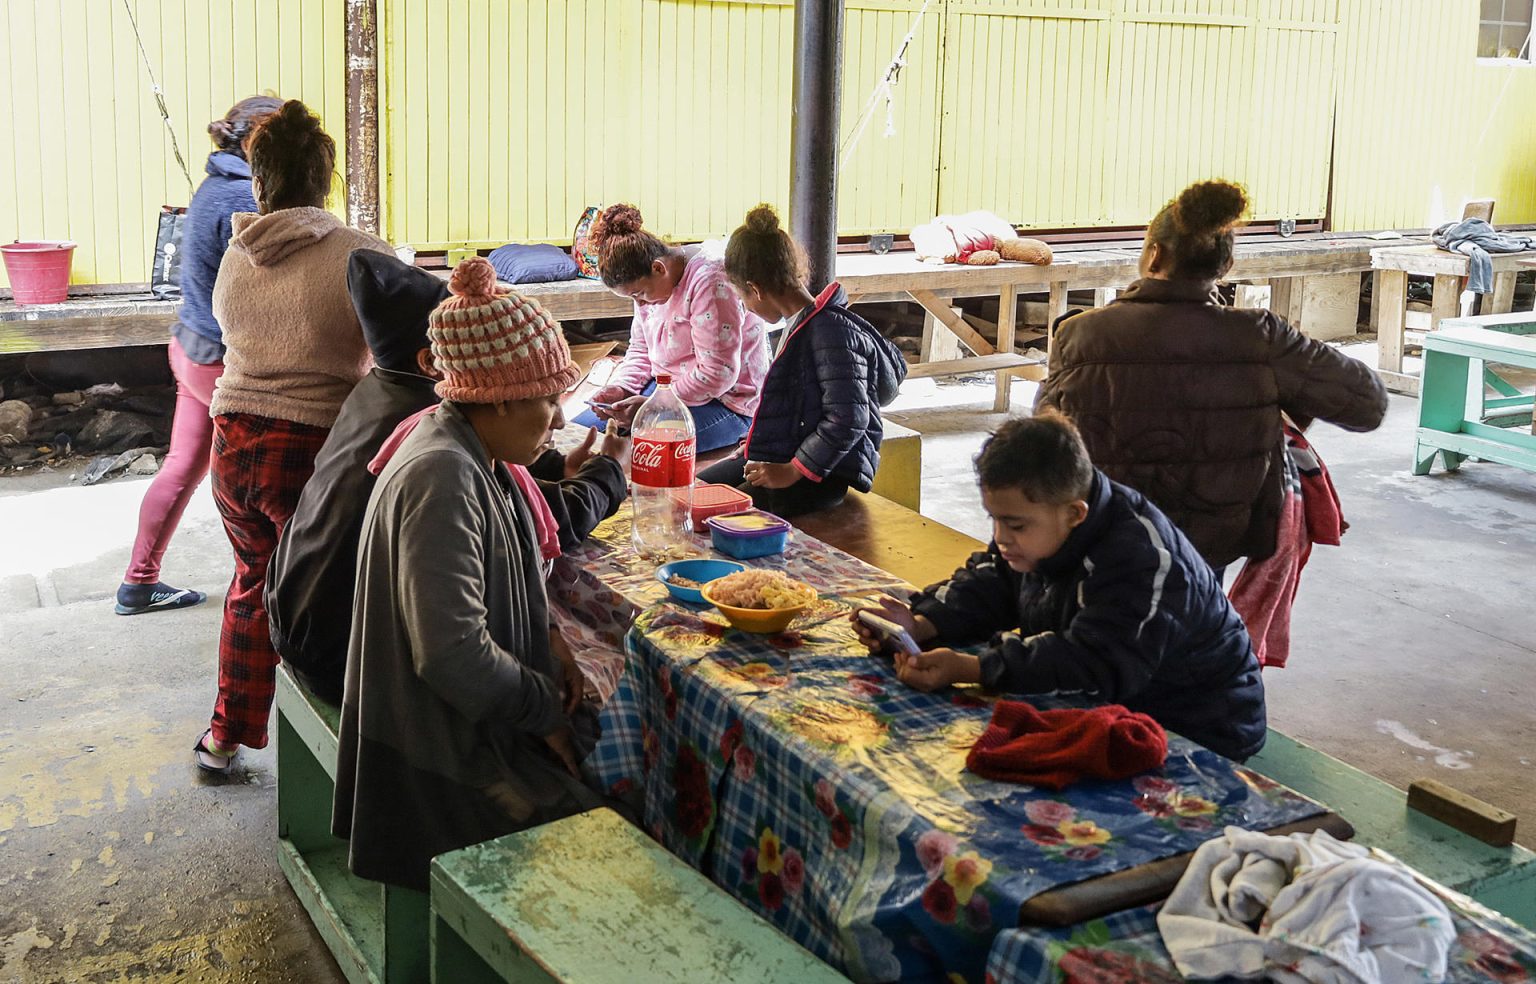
702	571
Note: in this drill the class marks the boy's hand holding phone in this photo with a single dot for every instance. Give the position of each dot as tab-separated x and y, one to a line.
866	622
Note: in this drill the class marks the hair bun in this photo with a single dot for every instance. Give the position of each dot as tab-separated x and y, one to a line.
617	220
474	278
1211	207
763	220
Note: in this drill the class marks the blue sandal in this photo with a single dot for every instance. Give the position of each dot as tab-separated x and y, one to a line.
136	599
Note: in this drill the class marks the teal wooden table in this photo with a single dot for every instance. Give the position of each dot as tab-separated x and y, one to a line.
1469	410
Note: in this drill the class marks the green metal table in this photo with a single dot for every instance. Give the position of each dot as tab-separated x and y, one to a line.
1468	409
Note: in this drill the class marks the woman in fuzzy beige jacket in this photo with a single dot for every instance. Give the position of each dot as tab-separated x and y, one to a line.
294	350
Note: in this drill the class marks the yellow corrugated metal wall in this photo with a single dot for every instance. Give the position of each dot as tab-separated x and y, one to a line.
86	156
1084	112
1422	124
680	106
503	118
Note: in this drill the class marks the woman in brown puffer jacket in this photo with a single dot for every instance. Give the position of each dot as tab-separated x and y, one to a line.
1179	396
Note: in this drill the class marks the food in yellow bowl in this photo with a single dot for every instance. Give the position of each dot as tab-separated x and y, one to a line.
759	601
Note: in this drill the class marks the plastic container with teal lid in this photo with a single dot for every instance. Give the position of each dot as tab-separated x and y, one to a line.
745	535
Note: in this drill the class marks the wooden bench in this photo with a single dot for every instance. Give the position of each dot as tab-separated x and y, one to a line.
378	933
1457	419
1389	302
591	898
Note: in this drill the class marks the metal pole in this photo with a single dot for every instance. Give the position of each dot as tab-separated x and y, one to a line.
813	134
363	115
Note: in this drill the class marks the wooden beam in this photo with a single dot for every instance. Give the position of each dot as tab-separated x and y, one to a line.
1055	308
1389	310
1504	292
1446	300
362	30
1285	295
976	364
947	317
1007	322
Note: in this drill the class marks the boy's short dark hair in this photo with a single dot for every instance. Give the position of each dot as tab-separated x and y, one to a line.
1042	456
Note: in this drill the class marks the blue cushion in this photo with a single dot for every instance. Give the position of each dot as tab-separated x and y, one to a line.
534	264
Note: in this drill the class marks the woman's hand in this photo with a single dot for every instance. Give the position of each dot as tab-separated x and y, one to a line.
936	669
622	411
766	475
573	686
603	400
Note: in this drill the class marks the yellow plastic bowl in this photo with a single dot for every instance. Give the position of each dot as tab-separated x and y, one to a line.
764	620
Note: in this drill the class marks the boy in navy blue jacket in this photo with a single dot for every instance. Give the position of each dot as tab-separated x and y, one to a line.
1086	590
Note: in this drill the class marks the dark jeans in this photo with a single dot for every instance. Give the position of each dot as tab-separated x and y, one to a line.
800	498
715	425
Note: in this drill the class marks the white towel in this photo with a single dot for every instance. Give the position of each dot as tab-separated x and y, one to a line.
1303	908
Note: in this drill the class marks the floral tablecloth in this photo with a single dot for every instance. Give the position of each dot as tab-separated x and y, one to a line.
597	590
799	774
1127	947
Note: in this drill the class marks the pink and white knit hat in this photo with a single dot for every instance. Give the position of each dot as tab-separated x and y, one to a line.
495	345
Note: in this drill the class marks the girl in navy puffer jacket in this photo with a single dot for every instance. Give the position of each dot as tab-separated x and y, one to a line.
817	431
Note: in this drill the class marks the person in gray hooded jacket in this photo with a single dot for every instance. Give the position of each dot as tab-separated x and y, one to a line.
460	721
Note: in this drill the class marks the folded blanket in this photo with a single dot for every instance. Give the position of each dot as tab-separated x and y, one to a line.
1303	908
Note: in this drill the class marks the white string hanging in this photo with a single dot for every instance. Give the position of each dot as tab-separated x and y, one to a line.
154	88
884	89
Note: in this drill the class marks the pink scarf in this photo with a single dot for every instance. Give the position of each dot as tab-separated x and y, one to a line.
544	525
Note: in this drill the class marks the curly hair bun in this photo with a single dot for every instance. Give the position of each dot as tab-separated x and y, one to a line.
763	221
616	221
1211	207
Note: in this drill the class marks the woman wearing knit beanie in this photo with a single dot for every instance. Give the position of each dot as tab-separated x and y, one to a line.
460	722
688	323
293	351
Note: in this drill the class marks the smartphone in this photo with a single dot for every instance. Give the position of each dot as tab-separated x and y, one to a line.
595	405
890	632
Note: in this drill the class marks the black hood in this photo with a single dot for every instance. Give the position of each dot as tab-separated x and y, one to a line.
393	300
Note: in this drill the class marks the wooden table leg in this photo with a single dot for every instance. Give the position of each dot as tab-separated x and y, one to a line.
1285	294
1504	292
1446	302
1007	321
1389	309
1054	310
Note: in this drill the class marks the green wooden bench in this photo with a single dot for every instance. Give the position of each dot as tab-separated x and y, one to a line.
591	898
377	933
1457	417
1502	878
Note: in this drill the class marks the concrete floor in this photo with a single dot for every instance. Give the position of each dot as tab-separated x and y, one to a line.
122	863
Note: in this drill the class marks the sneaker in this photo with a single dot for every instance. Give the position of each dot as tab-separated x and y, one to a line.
136	599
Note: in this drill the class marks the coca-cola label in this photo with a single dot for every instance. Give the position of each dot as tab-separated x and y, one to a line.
662	464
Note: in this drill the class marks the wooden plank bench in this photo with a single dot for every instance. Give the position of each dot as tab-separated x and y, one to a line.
379	934
592	898
1457	419
1389	303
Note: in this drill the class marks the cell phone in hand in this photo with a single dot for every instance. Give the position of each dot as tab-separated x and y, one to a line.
892	633
596	405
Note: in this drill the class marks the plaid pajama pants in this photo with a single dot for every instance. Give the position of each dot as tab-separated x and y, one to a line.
260	466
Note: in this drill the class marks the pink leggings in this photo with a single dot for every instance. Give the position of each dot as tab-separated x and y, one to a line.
183	468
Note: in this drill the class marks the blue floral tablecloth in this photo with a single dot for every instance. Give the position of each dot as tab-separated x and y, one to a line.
798	773
1127	947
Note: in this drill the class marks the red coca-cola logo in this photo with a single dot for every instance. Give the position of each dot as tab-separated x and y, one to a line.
662	464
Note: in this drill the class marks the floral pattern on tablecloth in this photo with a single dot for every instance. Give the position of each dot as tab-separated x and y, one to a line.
806	780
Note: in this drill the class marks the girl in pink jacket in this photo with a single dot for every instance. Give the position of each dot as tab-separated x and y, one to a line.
688	323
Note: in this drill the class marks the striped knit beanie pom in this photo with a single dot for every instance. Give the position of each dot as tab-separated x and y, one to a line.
496	345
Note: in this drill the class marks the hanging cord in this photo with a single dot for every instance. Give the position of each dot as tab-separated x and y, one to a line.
885	88
1522	54
154	87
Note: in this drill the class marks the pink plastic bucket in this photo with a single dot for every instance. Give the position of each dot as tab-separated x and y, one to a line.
39	271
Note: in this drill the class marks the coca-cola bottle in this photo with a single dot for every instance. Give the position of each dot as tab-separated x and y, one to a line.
661	475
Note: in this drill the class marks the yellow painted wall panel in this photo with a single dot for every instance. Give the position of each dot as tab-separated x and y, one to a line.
101	179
